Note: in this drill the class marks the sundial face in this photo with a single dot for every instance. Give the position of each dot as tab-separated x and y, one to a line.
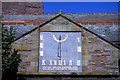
60	52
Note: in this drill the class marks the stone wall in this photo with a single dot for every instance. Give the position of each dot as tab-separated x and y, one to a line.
28	48
35	8
98	56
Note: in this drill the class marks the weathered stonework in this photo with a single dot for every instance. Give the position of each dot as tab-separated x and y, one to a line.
60	24
35	8
28	48
98	56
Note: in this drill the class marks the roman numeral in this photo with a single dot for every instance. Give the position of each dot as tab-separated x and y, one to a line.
41	53
41	45
43	62
78	39
79	49
41	37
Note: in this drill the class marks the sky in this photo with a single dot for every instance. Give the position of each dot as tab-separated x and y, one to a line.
80	7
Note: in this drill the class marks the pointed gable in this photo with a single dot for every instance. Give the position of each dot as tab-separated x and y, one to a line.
99	56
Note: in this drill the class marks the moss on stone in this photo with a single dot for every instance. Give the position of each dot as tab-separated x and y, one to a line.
21	47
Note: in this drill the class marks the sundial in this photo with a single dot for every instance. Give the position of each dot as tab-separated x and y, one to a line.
60	52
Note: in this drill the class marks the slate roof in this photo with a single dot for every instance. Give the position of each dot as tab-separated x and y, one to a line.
84	16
